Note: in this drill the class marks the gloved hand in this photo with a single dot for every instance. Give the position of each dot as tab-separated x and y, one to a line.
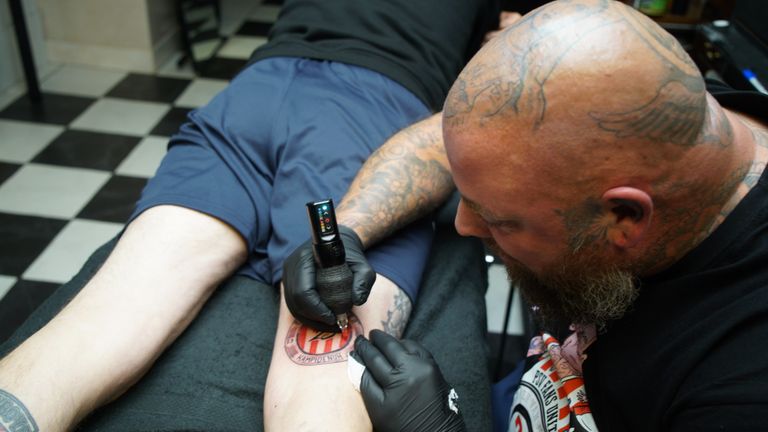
403	388
301	294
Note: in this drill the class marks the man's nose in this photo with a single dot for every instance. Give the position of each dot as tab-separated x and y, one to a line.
468	223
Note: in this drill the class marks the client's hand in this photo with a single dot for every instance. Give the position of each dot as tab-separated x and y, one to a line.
403	388
301	294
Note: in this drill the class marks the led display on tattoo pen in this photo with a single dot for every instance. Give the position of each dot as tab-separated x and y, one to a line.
333	277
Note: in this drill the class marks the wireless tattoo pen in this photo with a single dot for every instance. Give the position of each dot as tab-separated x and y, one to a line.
333	278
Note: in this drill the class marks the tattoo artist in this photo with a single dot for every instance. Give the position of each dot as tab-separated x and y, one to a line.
628	199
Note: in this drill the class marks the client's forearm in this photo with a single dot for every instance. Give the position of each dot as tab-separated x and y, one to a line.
405	179
150	288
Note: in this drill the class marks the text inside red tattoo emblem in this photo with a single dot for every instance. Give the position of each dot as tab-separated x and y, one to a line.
307	346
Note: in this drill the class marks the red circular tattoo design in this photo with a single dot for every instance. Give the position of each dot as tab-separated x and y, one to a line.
307	346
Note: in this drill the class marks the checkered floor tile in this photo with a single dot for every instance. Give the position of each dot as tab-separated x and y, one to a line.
72	166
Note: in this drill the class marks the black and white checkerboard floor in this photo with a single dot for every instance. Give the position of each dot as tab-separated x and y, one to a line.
72	167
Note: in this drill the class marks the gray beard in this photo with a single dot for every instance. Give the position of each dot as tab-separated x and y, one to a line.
578	291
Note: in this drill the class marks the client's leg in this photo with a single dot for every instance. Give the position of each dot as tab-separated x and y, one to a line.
332	117
157	278
307	386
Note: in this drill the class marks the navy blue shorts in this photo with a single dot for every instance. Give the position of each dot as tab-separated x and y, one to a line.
287	131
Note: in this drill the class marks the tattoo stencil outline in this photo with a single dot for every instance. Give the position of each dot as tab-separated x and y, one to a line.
306	346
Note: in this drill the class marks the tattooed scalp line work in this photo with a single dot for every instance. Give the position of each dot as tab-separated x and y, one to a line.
517	82
677	111
520	85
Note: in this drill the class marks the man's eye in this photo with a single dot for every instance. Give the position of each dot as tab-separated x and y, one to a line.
506	227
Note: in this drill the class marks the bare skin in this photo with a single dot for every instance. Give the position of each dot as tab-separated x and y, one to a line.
583	122
668	191
506	19
109	335
584	127
423	190
307	386
654	145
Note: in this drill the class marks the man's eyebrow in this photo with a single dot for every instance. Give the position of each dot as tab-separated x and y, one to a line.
487	216
475	207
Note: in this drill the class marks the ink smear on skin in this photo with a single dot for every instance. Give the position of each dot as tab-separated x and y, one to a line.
307	346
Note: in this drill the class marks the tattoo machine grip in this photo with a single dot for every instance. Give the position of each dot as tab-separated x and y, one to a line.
333	277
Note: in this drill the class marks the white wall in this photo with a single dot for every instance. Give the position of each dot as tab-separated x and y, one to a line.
108	33
138	35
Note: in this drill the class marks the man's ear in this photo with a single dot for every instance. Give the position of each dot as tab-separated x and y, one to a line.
632	210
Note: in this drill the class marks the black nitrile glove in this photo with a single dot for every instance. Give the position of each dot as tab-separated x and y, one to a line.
301	294
403	388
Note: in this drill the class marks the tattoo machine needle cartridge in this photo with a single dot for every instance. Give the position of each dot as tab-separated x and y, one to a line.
333	277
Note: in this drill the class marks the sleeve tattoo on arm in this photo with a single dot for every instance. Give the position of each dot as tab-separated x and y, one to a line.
401	182
14	416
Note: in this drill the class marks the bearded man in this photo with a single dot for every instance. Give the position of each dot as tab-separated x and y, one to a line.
625	195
